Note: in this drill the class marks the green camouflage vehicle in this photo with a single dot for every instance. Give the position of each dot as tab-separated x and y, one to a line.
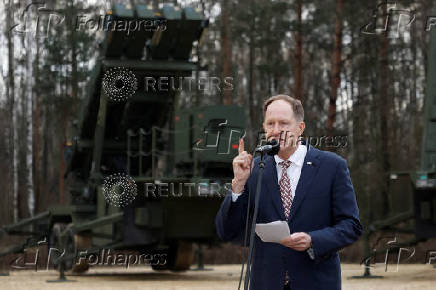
143	175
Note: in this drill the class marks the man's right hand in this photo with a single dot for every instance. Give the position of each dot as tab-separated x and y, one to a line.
241	168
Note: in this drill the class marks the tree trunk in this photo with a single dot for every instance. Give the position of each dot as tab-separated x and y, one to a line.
74	73
36	128
251	56
22	134
384	114
336	68
225	48
62	165
413	111
298	55
13	139
29	121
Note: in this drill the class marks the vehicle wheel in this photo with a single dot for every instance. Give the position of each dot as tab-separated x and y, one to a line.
82	242
179	257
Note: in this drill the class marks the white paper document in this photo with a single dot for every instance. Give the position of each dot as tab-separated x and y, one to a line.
273	232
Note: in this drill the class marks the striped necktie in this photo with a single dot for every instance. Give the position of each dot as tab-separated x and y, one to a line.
285	191
285	187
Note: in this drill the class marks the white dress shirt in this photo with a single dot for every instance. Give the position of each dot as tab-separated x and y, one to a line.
294	171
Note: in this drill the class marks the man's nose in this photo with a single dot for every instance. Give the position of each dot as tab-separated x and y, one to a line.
276	129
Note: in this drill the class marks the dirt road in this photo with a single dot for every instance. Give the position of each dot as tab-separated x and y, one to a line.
221	277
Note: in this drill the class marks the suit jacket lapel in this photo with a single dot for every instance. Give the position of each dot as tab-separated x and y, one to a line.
310	167
273	186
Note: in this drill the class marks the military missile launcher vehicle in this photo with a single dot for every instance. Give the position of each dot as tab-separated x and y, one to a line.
143	174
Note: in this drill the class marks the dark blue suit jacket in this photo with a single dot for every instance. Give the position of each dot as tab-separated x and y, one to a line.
324	206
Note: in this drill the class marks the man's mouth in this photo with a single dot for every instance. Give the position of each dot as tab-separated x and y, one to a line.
280	140
275	138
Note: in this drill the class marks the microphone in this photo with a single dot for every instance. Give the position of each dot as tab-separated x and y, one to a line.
271	148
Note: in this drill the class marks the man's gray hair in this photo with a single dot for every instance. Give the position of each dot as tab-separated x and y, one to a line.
296	105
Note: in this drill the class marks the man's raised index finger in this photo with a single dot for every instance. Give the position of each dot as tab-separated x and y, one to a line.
241	146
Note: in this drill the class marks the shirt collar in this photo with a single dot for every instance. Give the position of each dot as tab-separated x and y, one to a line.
297	157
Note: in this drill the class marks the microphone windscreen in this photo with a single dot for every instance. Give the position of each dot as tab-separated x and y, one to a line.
275	147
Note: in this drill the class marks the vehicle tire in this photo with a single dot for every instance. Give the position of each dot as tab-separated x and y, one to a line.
82	242
179	257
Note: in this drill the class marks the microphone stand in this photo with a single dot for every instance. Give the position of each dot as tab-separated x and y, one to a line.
253	223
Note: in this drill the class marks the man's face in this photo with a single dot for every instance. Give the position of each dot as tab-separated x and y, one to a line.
280	124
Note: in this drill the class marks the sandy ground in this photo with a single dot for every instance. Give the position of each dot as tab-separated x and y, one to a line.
220	277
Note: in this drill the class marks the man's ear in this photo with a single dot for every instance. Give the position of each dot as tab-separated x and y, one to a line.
302	126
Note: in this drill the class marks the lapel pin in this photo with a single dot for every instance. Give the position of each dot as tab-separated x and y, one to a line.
309	163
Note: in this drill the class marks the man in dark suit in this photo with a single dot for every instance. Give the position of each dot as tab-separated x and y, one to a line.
310	189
